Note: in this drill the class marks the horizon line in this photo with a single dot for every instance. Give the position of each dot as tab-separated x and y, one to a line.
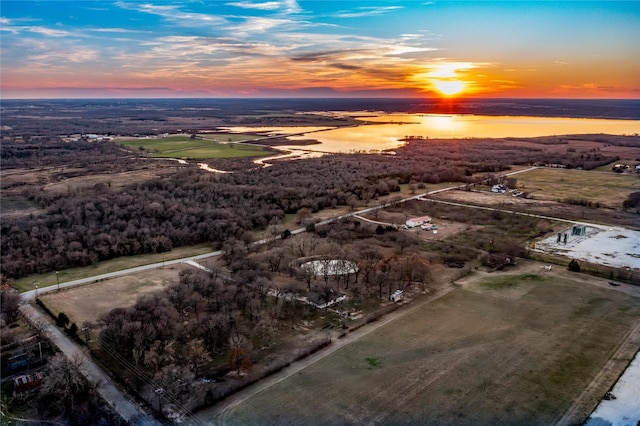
453	99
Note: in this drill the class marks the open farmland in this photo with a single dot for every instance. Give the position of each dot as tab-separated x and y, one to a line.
185	147
608	189
89	302
507	348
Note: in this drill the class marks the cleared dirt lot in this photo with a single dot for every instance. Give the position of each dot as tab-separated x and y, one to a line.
513	348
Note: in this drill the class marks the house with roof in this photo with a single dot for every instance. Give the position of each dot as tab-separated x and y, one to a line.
417	221
27	382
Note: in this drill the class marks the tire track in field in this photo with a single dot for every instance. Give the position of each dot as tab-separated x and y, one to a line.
408	389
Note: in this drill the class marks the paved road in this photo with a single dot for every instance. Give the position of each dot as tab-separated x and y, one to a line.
118	401
31	294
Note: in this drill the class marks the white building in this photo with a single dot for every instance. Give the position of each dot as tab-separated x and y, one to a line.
417	221
499	188
396	296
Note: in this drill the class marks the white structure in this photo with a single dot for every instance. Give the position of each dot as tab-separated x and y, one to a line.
417	221
499	188
330	267
315	301
396	296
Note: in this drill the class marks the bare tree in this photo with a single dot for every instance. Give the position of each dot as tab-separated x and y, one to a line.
196	355
64	385
9	303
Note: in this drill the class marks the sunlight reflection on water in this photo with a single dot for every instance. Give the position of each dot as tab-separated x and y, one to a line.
384	131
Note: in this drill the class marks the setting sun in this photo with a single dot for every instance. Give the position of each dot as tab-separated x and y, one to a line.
449	87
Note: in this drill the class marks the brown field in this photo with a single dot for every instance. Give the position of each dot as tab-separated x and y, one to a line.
617	217
114	181
65	180
509	348
89	302
606	188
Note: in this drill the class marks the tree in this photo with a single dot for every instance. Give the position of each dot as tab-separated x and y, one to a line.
62	320
64	386
274	258
303	214
574	266
369	259
73	330
632	201
239	360
196	355
306	272
9	303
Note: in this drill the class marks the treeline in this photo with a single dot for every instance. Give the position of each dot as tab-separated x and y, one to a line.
52	151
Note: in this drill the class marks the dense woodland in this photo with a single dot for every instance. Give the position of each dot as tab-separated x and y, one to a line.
190	206
209	324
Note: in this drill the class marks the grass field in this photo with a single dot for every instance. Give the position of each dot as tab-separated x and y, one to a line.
49	278
606	188
508	350
11	204
89	302
185	147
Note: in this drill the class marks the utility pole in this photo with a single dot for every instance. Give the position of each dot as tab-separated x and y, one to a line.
159	392
58	280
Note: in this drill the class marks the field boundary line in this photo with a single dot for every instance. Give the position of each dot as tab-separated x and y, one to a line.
592	394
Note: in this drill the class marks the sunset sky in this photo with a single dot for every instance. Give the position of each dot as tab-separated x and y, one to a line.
297	48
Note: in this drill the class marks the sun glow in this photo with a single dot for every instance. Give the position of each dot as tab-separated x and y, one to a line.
449	79
449	87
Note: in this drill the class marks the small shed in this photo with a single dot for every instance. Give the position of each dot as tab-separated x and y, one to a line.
578	230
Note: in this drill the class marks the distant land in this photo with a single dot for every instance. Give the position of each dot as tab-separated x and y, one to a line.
627	109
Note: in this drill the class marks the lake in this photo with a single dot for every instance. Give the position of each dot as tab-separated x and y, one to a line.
390	128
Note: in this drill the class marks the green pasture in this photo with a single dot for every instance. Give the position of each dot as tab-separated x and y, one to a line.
11	204
209	147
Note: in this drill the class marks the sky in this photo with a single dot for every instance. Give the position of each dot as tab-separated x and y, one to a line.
317	48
